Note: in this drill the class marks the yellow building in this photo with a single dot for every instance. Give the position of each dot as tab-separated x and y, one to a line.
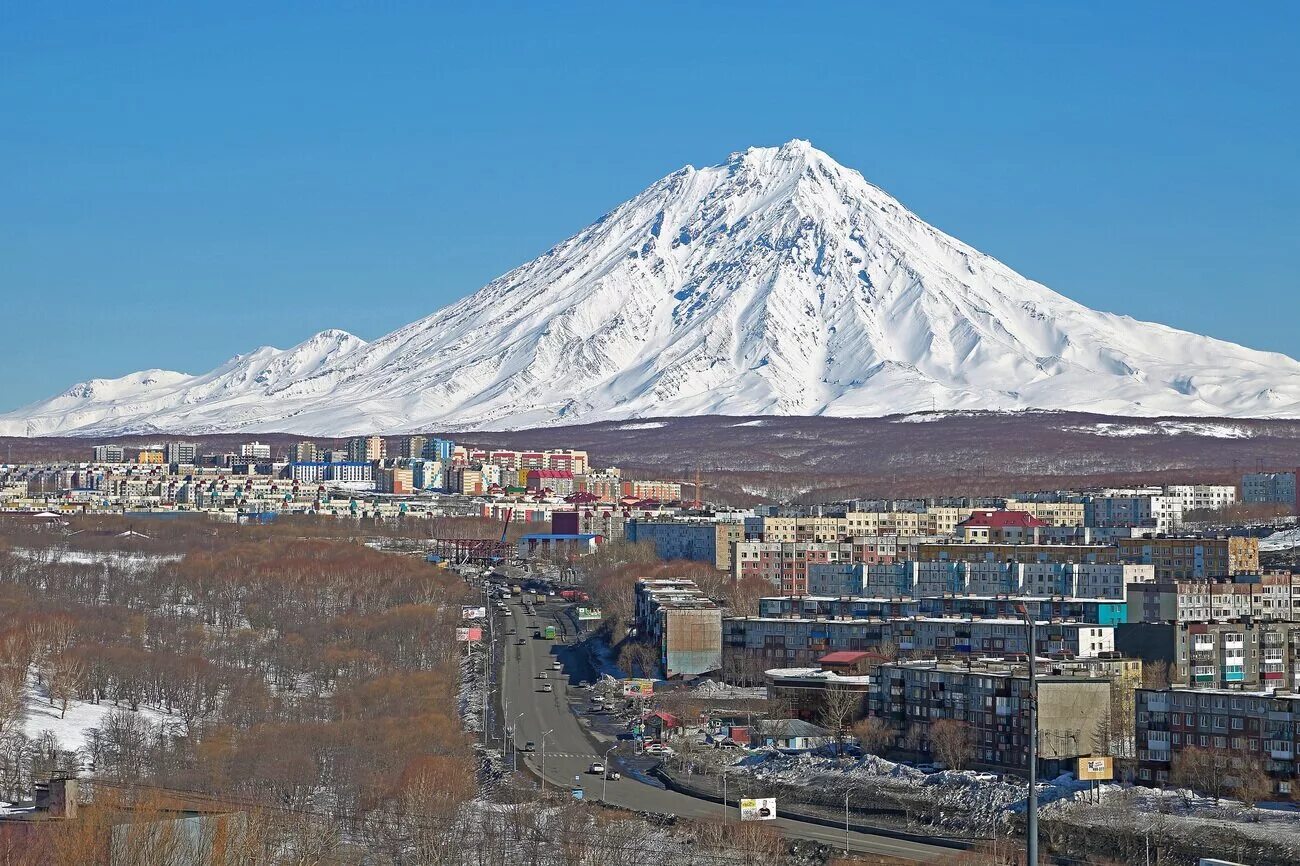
150	458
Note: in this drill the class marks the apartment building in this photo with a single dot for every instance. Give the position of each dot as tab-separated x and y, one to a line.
255	451
1084	610
1269	488
994	700
1257	726
367	449
1153	511
770	642
304	452
697	540
685	626
1054	514
109	454
1273	596
181	453
1182	558
959	552
1000	527
1227	655
914	579
1202	497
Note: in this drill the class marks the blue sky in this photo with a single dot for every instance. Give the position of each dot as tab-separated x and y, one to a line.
182	182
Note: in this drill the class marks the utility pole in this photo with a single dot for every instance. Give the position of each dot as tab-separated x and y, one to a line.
1031	816
545	734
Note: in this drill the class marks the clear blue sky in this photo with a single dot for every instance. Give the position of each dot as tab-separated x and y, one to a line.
181	184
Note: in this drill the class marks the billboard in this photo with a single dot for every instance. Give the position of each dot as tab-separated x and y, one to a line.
758	810
585	613
469	634
1093	769
637	688
468	612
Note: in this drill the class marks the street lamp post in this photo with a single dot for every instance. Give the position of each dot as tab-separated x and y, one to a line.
605	775
514	753
846	822
1031	816
545	734
724	795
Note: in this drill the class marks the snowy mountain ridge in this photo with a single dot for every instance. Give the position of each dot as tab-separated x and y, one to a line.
777	283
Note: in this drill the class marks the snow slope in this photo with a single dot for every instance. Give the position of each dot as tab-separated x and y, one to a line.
779	282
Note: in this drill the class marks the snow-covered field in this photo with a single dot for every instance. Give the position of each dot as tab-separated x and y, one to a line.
1211	429
716	691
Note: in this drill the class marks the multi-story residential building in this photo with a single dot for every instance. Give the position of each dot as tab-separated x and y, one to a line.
785	564
1227	655
784	642
697	540
395	480
304	452
1273	596
1248	727
150	457
414	447
1181	558
1270	488
958	552
993	699
1054	514
915	579
466	481
684	624
255	451
367	449
1153	511
1203	497
604	522
440	450
558	481
1086	610
109	454
1000	527
660	491
606	484
321	472
428	474
181	453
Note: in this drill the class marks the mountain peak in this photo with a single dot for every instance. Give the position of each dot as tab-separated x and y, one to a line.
777	283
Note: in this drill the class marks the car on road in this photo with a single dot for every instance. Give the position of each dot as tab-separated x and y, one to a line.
659	750
510	631
612	775
530	746
541	675
556	666
521	642
546	687
596	768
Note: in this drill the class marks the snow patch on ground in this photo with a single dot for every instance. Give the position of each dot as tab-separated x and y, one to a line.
72	729
1283	540
717	691
1164	428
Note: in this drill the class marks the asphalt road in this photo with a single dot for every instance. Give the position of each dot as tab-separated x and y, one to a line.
569	748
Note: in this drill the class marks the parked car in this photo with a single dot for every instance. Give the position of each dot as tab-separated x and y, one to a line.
612	775
928	768
596	768
530	746
659	750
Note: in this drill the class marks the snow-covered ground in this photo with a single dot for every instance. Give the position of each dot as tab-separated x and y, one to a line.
1283	540
116	558
71	730
1211	429
985	799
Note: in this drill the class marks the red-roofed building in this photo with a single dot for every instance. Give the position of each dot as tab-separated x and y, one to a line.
1001	527
558	481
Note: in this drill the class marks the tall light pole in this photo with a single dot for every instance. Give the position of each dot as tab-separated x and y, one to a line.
724	795
544	736
605	775
514	753
1031	817
846	822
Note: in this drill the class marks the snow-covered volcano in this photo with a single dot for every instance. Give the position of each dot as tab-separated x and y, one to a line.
779	282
